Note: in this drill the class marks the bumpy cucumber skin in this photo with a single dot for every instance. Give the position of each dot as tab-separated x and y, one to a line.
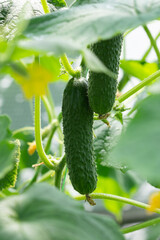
102	88
78	136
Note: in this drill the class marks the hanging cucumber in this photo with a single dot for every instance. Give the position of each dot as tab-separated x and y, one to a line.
78	137
102	88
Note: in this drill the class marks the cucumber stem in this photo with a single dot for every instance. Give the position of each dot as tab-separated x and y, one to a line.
45	6
68	67
153	42
142	84
140	226
58	172
38	139
117	198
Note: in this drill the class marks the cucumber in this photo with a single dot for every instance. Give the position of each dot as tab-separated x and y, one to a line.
78	136
102	88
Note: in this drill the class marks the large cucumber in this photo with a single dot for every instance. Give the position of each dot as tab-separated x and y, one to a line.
102	88
78	136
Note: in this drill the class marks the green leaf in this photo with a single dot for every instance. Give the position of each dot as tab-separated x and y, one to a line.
11	157
138	147
52	65
4	127
138	69
153	232
43	212
57	3
109	185
101	146
78	27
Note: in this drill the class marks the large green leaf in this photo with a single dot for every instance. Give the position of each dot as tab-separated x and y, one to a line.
43	212
138	147
138	69
77	27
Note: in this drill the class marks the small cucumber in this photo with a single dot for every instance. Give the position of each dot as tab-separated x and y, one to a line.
78	136
102	88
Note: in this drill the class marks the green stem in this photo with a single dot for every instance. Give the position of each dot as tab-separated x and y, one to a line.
149	49
140	226
142	84
64	179
52	133
46	176
38	139
117	198
21	130
153	42
58	172
48	108
68	67
64	59
45	131
127	32
45	6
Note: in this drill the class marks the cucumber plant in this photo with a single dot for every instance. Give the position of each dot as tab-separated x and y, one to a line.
78	136
102	88
76	151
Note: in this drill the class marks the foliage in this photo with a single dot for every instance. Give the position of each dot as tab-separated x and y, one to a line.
34	66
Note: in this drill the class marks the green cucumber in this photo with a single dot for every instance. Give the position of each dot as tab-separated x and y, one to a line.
102	88
78	136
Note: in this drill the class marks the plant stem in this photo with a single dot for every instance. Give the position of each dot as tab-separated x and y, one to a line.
52	133
142	84
48	108
140	226
64	59
149	49
58	172
64	179
46	176
45	6
68	67
117	198
38	139
153	42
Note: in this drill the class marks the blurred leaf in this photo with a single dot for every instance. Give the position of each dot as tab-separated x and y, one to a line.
61	31
109	185
93	63
4	127
7	150
138	69
138	147
11	158
153	232
41	214
52	65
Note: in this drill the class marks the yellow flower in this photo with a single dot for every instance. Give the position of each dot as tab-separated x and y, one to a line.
31	148
154	201
35	82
